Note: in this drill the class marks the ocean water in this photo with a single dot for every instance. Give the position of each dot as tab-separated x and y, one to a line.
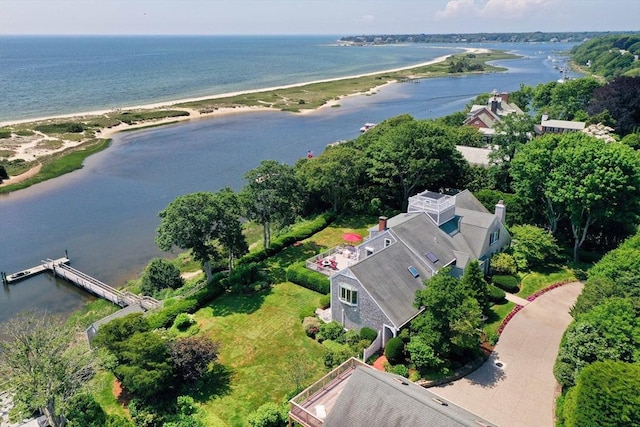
47	76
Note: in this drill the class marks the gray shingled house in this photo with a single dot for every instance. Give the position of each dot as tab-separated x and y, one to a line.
438	230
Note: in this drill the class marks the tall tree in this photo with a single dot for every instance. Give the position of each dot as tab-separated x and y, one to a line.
205	223
474	284
44	369
593	181
271	196
414	155
621	98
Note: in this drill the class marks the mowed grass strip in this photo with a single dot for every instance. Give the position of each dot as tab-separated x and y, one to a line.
263	347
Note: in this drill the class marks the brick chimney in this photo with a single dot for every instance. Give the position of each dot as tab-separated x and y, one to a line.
501	211
505	97
382	223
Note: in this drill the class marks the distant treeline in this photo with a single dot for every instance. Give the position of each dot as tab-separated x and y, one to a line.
610	56
476	37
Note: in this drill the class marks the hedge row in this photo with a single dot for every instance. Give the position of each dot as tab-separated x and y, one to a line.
506	283
299	232
300	275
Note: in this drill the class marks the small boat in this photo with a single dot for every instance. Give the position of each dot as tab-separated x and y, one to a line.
367	126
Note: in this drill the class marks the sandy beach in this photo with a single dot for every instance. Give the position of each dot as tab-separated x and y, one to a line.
30	149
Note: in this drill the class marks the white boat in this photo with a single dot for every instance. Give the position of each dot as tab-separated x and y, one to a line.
367	126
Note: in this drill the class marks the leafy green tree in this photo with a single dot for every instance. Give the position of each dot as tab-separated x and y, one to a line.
190	222
610	331
192	356
534	245
160	274
272	196
333	176
44	370
451	318
414	155
530	170
205	223
268	415
474	284
571	96
607	394
522	97
513	132
84	411
632	140
593	181
423	354
503	263
146	368
112	335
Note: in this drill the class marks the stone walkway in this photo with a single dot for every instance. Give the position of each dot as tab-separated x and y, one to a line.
520	393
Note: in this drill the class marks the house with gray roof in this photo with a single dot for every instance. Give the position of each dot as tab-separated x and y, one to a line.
355	395
486	117
438	230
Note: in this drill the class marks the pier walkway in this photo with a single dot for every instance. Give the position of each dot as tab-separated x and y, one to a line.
59	267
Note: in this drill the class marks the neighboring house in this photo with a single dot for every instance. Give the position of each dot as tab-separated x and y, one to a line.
558	126
485	117
438	231
356	395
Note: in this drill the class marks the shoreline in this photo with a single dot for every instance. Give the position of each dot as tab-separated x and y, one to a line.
165	104
28	152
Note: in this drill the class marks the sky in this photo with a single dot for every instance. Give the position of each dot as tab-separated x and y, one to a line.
331	17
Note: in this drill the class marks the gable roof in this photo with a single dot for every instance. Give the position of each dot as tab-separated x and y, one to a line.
373	398
386	277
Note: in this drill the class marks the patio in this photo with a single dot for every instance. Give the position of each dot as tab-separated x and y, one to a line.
334	260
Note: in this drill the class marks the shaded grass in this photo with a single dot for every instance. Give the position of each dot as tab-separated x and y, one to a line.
497	314
102	390
263	346
535	280
61	164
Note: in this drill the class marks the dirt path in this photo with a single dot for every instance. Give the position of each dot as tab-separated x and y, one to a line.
23	176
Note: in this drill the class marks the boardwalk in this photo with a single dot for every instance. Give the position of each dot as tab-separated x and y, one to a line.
59	267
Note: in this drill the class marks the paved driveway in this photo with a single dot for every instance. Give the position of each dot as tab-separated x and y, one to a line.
521	393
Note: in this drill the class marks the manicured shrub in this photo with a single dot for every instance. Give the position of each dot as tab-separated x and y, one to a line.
165	316
352	337
183	321
301	275
325	301
496	295
506	283
400	370
368	334
503	263
394	351
311	326
268	415
331	331
336	353
246	278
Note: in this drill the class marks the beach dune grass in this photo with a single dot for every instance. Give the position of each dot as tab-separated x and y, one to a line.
61	164
263	349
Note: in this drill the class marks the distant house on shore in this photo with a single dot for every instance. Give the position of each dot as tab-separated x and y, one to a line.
485	117
378	289
558	126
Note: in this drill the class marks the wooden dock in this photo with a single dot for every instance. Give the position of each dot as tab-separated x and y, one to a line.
33	271
59	267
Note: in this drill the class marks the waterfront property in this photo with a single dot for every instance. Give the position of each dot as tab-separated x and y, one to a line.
378	285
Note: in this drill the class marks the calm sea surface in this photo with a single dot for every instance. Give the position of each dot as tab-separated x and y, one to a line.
105	215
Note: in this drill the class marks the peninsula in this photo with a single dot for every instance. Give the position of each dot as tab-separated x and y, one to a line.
35	150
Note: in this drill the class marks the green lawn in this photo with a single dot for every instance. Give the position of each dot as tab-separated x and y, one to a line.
535	280
264	351
496	316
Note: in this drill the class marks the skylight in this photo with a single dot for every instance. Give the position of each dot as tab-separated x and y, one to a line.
431	257
413	271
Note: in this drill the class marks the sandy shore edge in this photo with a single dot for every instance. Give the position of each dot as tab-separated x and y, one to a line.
107	133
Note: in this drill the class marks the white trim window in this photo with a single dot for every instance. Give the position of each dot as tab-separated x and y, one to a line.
348	294
494	237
